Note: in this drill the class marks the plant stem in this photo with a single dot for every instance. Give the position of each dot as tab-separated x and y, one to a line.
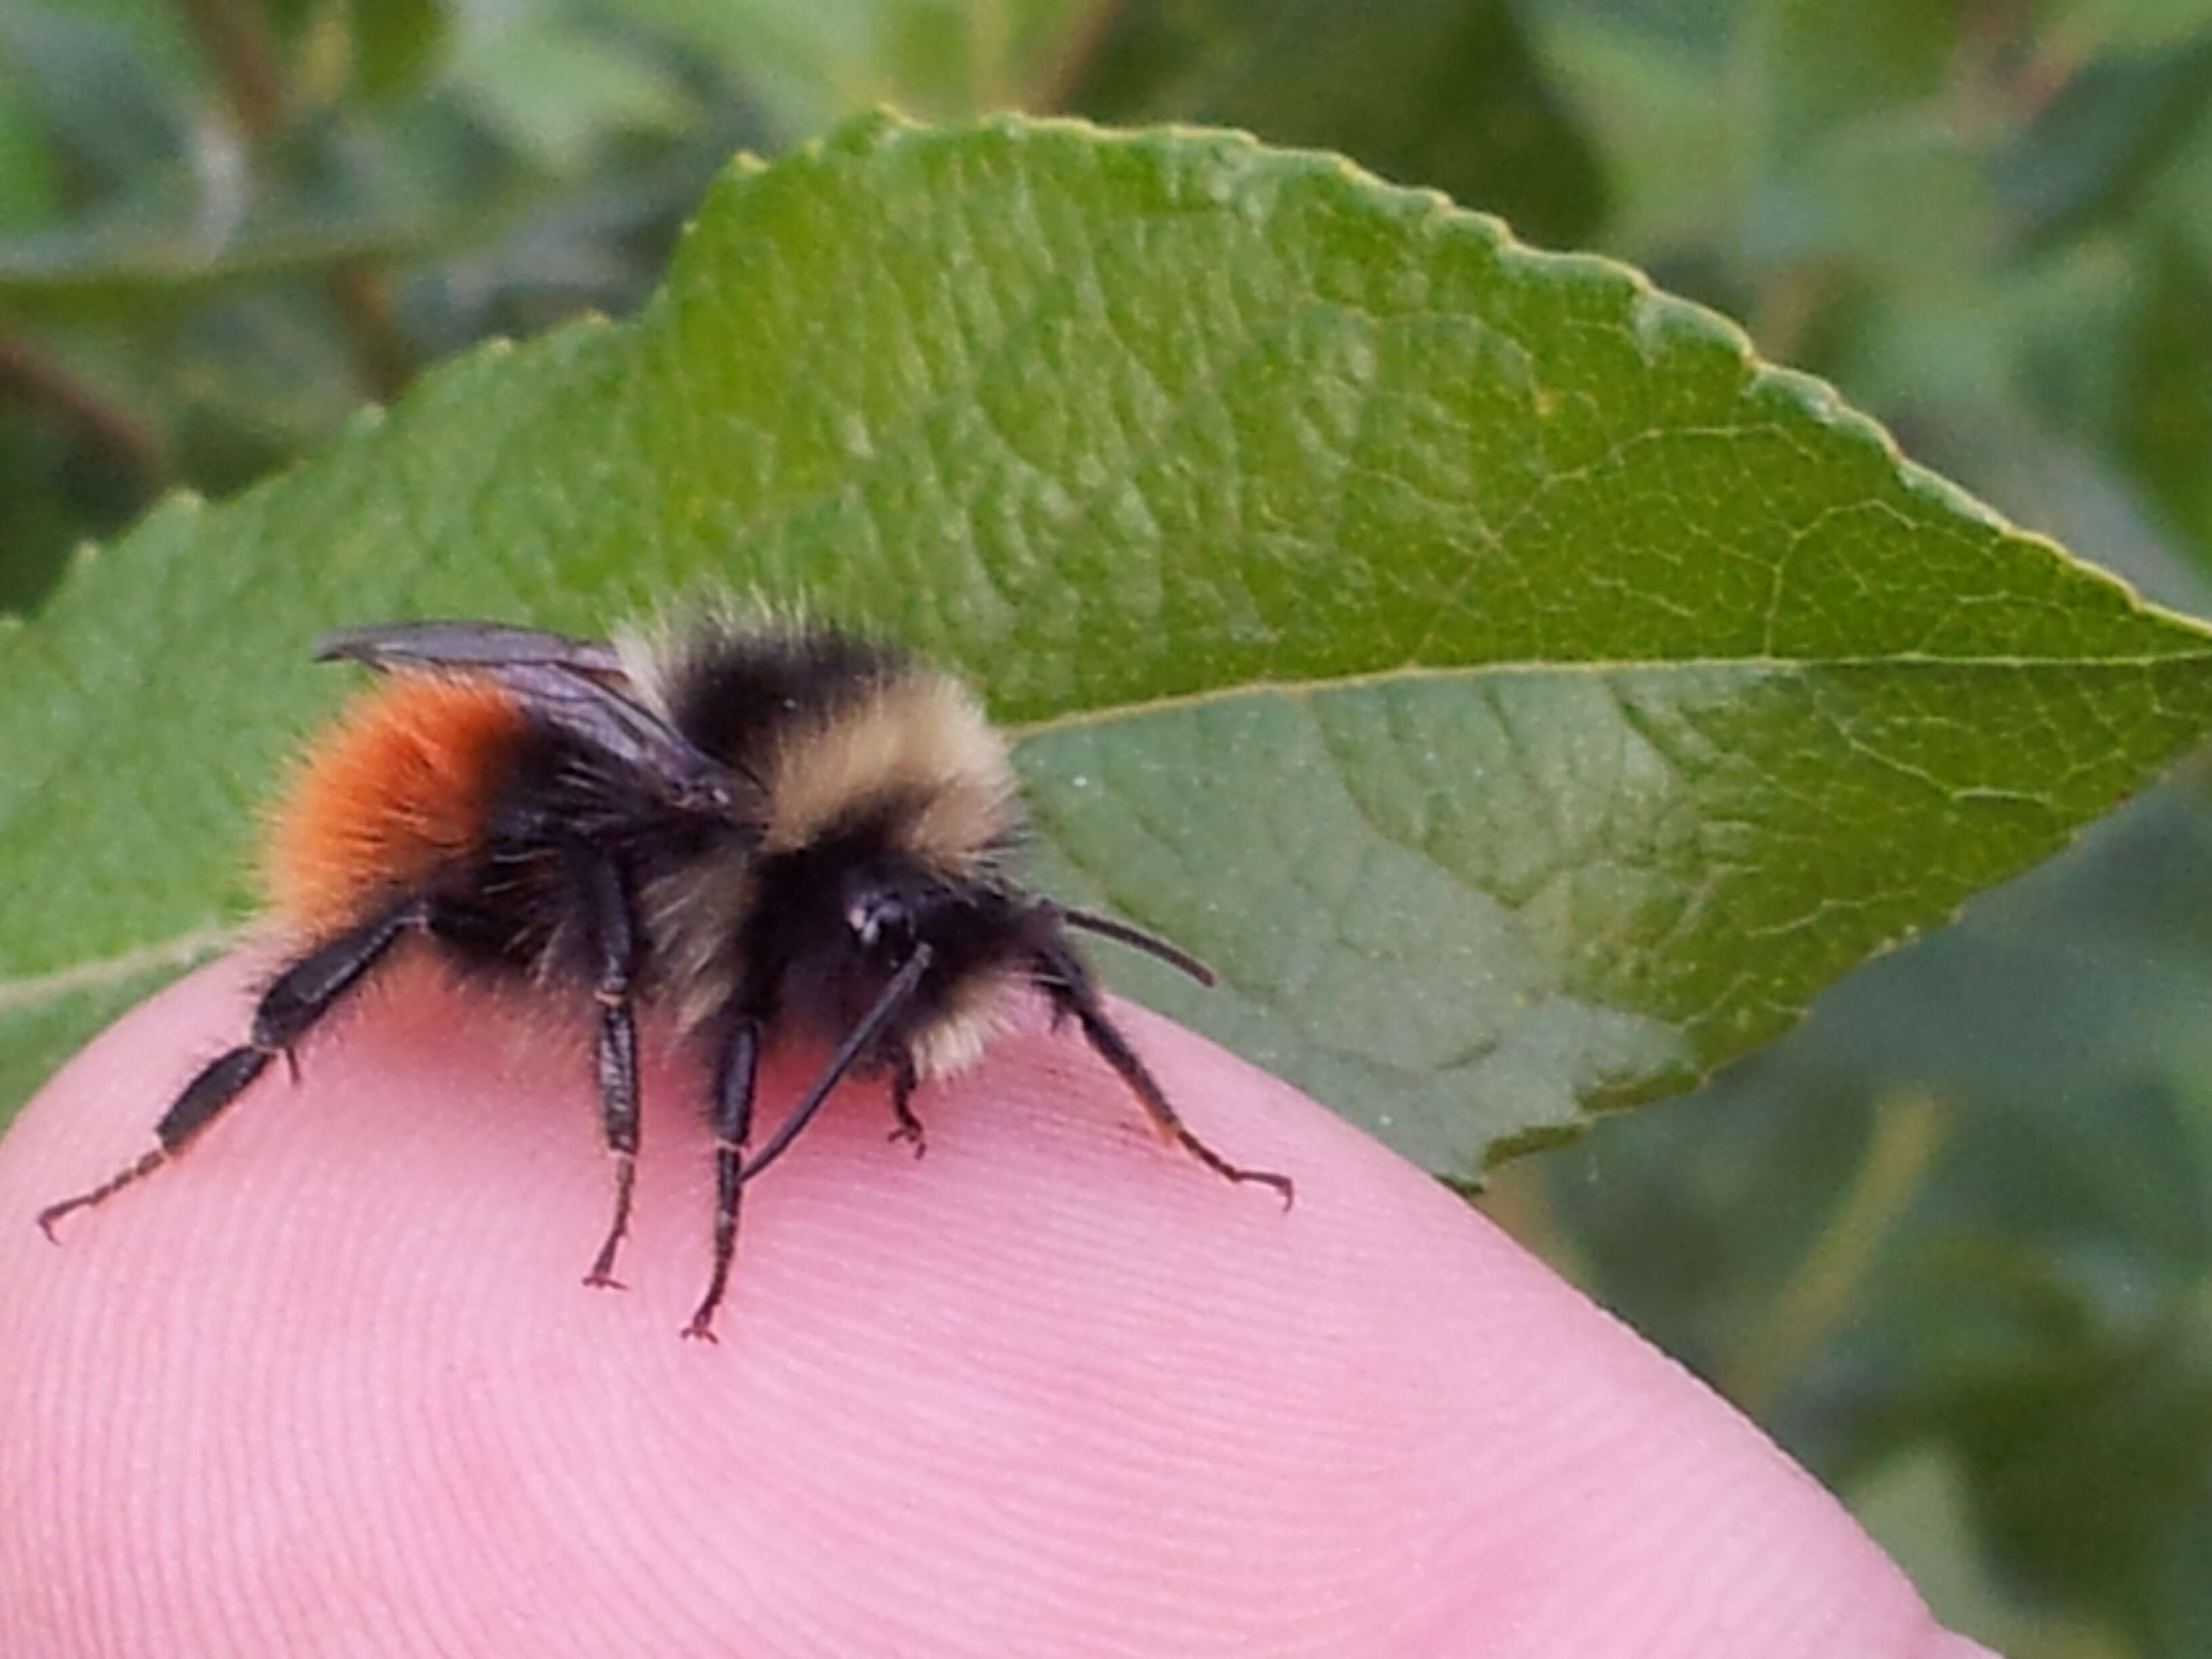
360	291
1824	1289
1064	76
234	36
36	379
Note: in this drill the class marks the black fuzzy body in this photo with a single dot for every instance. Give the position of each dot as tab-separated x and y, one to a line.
785	955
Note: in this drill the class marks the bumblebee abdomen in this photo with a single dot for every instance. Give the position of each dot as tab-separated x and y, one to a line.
402	784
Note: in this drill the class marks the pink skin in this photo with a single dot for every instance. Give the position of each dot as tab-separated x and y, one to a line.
330	1385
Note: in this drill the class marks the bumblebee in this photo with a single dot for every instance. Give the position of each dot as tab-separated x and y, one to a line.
769	828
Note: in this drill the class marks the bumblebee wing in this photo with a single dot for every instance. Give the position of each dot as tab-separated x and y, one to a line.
466	645
577	686
601	716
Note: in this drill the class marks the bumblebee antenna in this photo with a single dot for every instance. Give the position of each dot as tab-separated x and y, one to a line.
1091	922
864	1032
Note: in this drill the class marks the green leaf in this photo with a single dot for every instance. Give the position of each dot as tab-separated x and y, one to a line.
1663	122
2124	23
1919	1506
1524	697
2097	147
1443	93
809	62
28	185
2164	428
556	88
394	42
1822	67
95	85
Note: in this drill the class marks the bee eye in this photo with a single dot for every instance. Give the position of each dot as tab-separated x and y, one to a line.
879	919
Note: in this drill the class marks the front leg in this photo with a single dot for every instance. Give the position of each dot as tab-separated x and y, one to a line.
1060	974
903	1084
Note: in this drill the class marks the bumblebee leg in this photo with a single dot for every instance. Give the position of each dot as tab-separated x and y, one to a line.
734	1067
904	1083
311	986
1062	977
219	1083
290	1007
614	940
854	1043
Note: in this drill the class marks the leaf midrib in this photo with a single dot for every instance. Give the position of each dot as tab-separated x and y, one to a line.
1421	673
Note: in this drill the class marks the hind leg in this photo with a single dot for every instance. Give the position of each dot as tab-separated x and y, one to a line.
295	1001
614	944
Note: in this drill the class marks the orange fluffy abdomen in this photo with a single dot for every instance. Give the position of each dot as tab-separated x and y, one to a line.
400	785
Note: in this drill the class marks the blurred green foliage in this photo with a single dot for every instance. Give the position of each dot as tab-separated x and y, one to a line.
1952	1241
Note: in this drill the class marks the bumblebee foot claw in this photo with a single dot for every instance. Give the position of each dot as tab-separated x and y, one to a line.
1280	1183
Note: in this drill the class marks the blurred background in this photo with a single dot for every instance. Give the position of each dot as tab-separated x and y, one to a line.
1952	1241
